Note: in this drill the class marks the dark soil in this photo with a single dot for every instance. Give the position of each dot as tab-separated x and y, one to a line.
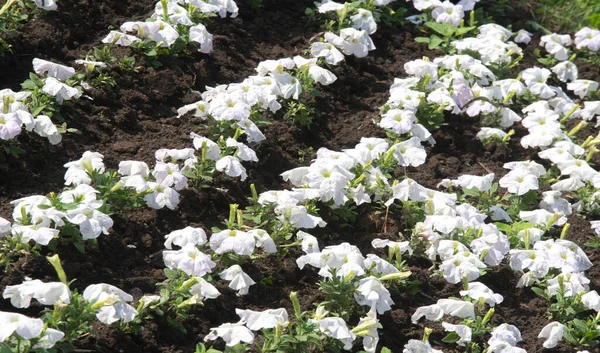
138	116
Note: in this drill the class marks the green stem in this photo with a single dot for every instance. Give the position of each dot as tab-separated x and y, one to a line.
6	6
165	9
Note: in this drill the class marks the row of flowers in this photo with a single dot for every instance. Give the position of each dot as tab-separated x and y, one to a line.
450	228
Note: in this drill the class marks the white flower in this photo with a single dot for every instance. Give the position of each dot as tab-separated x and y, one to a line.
327	51
371	292
566	71
556	45
553	333
190	260
91	222
61	72
232	167
46	293
46	128
161	196
519	181
49	337
422	68
463	264
10	126
232	334
204	290
48	5
431	312
199	34
263	240
59	90
523	37
479	290
588	38
573	283
481	183
242	243
175	14
26	327
257	320
447	12
309	242
114	303
352	41
505	333
582	88
187	235
490	133
317	73
591	300
399	121
158	31
464	332
328	6
410	152
244	152
239	280
457	308
335	327
416	346
364	20
298	217
120	38
535	79
426	4
168	174
40	234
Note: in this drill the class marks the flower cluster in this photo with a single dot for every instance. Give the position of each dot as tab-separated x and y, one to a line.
173	23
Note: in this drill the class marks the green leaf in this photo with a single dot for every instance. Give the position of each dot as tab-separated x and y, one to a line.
471	191
189	174
539	291
4	348
422	40
170	273
79	246
581	325
463	30
38	110
386	350
435	42
176	325
452	337
441	28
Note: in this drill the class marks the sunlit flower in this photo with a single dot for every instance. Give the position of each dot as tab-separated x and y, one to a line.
553	333
26	327
190	260
232	334
113	303
46	293
238	279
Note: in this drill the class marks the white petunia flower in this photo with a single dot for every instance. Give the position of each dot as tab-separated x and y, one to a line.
238	279
553	333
